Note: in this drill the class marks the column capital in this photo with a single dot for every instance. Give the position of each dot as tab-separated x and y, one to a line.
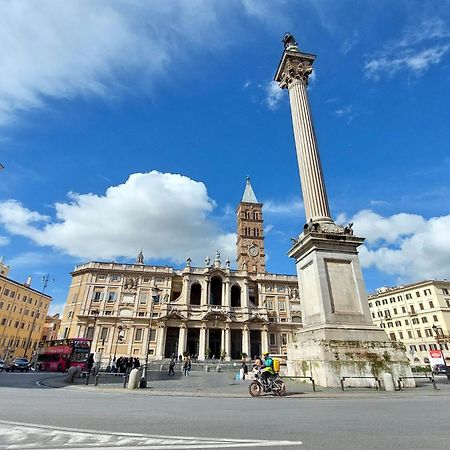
295	67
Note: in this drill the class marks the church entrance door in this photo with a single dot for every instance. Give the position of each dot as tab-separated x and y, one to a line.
255	343
215	342
171	341
193	340
236	344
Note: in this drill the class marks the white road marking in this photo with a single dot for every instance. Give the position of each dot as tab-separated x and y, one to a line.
17	435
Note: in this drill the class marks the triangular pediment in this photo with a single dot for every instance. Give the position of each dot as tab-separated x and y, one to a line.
173	314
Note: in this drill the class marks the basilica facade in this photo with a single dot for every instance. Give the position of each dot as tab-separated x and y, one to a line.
211	311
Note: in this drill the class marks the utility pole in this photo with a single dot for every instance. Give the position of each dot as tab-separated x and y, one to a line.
45	280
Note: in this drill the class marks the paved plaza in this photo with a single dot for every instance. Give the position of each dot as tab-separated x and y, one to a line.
35	415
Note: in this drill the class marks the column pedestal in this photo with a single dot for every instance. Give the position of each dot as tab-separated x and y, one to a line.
338	338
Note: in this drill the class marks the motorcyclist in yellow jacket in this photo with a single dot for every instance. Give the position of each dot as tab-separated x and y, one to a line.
267	371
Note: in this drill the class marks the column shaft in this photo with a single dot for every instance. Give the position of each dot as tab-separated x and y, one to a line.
160	342
246	341
202	344
182	339
311	175
228	344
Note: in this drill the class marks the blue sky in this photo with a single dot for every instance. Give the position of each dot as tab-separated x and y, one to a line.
128	125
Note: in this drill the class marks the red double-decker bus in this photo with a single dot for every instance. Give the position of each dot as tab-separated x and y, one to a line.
61	354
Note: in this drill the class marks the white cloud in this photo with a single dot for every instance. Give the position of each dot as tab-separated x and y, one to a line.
347	112
166	215
53	49
274	95
286	208
4	240
417	49
406	245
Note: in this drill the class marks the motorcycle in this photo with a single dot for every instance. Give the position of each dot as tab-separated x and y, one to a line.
274	385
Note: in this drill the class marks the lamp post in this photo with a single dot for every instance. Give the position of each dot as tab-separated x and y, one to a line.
441	337
143	382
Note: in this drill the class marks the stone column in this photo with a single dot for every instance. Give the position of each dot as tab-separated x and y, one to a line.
264	340
186	290
226	294
205	293
182	336
246	341
293	72
244	295
160	341
202	343
227	346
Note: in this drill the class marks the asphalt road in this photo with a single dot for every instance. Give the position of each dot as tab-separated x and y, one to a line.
30	414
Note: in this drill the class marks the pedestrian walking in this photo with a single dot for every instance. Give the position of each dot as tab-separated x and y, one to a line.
172	367
90	362
136	363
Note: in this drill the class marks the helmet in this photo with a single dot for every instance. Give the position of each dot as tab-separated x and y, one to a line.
266	354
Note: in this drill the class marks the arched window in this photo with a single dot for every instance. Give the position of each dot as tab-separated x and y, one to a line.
216	291
235	296
196	294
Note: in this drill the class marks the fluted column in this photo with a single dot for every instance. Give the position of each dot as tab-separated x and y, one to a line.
246	341
228	342
264	340
161	341
293	72
202	343
182	335
226	301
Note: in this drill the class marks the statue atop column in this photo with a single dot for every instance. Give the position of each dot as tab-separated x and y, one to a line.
289	42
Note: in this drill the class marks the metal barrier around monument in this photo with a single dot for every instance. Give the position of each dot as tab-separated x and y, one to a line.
400	380
307	378
377	386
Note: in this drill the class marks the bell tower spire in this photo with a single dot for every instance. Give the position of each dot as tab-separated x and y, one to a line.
250	236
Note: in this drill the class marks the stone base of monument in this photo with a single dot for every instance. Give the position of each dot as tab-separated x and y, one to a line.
361	362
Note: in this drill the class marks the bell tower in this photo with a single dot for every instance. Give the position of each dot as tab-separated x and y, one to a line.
250	237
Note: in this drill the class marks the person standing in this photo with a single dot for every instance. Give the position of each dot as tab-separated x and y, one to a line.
187	366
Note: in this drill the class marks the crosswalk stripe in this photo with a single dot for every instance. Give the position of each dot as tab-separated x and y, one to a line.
18	435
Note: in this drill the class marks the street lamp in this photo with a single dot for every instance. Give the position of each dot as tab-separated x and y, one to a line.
143	382
440	337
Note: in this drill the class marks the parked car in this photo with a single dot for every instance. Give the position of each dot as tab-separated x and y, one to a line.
21	364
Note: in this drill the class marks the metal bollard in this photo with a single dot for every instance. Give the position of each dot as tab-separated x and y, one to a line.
125	380
313	384
87	378
399	383
342	384
96	380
